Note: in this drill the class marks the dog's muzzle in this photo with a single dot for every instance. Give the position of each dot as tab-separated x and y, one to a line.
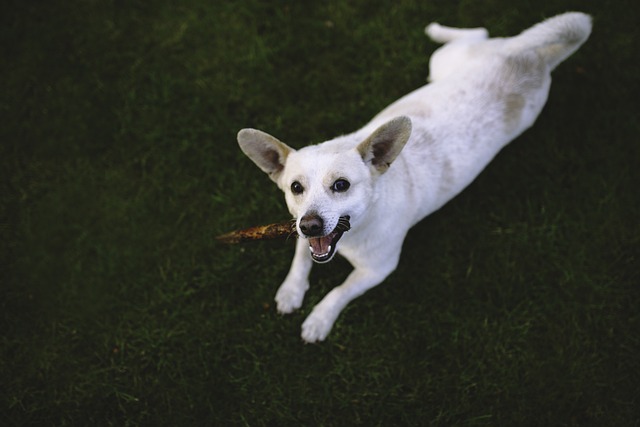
322	247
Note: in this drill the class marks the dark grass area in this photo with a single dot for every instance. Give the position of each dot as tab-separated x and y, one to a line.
516	304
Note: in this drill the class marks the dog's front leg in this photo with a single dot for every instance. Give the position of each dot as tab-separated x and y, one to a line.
319	323
291	293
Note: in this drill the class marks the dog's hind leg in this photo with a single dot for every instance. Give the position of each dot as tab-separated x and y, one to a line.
441	34
456	51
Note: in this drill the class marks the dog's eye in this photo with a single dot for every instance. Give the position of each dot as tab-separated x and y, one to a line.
340	186
297	188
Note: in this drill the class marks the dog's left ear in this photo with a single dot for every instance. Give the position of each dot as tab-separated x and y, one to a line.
384	145
265	151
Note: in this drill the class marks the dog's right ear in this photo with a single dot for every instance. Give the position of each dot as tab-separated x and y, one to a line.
385	143
264	150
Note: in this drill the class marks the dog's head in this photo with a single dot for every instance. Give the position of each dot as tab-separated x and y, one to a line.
328	187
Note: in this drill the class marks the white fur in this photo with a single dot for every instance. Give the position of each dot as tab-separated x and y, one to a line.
415	155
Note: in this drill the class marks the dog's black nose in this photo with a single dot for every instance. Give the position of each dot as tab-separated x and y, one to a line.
311	225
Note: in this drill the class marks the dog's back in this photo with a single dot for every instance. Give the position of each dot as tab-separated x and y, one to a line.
484	93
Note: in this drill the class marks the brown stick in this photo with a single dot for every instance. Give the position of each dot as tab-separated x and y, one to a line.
260	232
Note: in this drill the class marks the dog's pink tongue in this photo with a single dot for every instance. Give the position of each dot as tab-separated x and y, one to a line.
320	245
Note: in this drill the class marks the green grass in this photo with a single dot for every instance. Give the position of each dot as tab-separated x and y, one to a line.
516	304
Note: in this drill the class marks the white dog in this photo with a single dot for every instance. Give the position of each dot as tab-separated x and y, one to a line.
359	194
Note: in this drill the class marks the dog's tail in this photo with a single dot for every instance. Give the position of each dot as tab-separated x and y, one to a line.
556	38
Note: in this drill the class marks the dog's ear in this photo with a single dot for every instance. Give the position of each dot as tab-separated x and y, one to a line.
384	145
264	150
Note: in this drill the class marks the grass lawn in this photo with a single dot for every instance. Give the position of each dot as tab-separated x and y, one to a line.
516	304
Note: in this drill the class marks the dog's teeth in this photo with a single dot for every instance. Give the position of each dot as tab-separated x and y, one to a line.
320	255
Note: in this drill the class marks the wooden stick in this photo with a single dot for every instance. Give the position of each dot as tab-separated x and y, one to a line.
260	232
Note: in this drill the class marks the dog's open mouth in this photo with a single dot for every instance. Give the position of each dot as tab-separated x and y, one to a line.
323	248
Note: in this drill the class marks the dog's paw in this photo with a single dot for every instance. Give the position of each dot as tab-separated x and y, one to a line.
289	299
432	29
317	326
